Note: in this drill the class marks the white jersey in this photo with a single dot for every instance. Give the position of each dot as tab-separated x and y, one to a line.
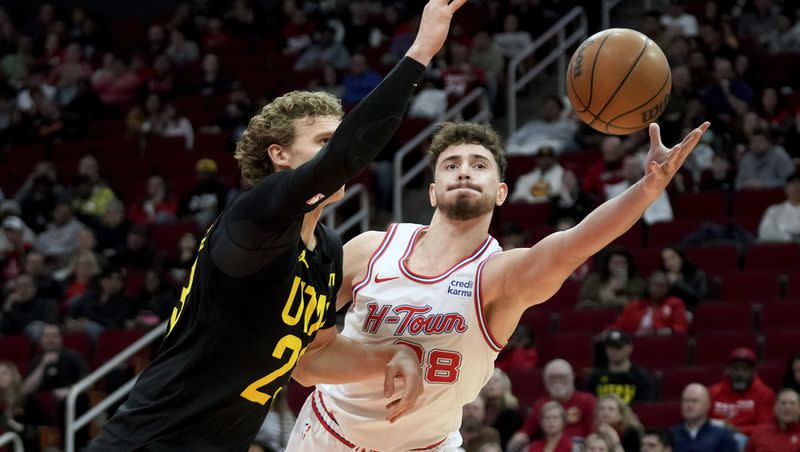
442	319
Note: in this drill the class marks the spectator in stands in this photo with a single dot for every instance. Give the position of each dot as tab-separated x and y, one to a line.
213	81
68	72
773	110
87	244
158	207
19	412
502	408
659	313
162	81
359	81
606	170
277	427
552	129
15	65
156	41
621	377
544	182
177	125
118	88
103	306
206	199
324	50
656	440
36	267
113	230
742	400
678	22
721	176
765	165
38	194
473	430
156	300
728	96
297	32
519	352
652	27
712	43
181	51
512	41
632	172
215	36
55	368
86	268
786	37
615	420
614	282
783	433
60	240
760	21
178	268
552	422
328	82
559	382
791	379
697	432
599	442
138	252
488	59
781	222
686	281
14	256
24	310
91	199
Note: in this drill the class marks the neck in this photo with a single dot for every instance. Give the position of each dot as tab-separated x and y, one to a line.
622	366
552	437
310	221
566	397
696	423
438	240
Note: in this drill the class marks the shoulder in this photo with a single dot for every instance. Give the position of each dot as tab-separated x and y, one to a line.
716	389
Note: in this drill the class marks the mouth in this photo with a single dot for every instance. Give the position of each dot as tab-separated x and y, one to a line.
465	188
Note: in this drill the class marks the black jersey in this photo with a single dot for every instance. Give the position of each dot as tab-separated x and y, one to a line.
255	298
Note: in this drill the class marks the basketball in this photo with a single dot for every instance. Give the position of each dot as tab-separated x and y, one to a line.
618	81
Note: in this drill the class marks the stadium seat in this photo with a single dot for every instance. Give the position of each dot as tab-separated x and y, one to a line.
112	342
527	385
714	259
772	373
647	260
671	233
537	320
714	348
717	317
525	215
576	348
781	345
778	257
675	379
753	203
165	237
573	321
659	352
749	286
517	166
565	298
658	414
633	238
17	349
79	342
793	286
748	222
779	316
701	205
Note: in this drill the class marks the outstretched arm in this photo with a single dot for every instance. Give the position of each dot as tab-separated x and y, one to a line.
335	359
529	276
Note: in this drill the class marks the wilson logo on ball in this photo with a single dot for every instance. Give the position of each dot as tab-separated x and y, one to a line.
653	113
576	69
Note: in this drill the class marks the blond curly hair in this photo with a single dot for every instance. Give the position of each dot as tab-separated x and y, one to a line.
275	125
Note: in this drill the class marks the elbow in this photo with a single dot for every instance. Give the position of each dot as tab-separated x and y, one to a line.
304	377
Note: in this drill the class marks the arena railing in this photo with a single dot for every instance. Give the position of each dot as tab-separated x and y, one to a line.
360	218
516	82
13	439
401	179
73	424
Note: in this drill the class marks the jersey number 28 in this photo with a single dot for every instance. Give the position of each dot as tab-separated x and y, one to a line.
441	365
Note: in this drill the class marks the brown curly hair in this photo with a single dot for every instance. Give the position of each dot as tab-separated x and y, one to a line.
275	125
452	133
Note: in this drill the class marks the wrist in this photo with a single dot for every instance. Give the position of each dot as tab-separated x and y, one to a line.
421	56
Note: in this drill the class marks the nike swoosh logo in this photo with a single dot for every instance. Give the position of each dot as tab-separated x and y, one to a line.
380	280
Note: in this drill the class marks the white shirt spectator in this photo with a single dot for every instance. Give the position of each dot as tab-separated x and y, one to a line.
660	210
684	25
180	127
539	186
780	223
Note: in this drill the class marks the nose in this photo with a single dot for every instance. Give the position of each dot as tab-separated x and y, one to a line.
464	173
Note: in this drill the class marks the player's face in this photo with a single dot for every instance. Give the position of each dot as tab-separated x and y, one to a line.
310	136
466	183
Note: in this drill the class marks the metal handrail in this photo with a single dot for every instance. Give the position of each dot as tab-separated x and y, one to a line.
558	54
13	439
360	218
72	424
402	179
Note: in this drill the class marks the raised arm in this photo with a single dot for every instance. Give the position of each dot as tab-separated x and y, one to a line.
524	277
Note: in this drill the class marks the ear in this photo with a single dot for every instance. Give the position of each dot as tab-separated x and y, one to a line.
432	194
502	193
279	156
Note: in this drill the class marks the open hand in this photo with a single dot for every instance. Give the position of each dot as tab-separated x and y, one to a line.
433	29
662	164
406	366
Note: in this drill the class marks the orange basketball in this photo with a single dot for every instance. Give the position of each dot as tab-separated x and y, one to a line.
618	81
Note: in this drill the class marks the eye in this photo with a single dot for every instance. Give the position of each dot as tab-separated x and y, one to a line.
324	140
451	166
480	165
